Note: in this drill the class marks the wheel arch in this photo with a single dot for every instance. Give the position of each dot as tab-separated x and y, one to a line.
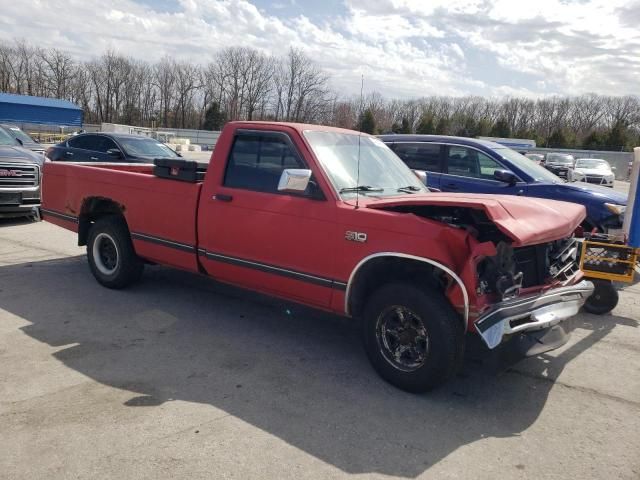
94	208
358	287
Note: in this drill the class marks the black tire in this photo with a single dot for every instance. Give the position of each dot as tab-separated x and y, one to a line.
432	336
604	298
112	259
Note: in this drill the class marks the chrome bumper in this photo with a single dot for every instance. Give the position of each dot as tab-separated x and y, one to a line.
535	312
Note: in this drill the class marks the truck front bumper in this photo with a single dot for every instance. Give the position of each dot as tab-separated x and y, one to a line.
19	202
532	313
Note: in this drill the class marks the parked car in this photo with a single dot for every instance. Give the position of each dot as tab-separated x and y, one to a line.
536	158
19	179
21	139
559	163
333	219
109	147
592	170
456	164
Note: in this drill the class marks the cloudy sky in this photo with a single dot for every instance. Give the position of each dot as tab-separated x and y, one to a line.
404	48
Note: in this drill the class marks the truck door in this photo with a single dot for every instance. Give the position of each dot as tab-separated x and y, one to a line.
469	170
252	235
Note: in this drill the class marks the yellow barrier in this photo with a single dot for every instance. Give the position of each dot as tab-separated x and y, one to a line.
608	261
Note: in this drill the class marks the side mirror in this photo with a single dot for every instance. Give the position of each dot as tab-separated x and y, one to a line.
114	153
294	180
613	169
422	175
505	176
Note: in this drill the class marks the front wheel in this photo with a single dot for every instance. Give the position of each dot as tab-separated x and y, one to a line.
112	259
603	299
413	338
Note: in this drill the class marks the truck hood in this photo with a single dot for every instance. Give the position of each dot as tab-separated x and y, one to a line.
527	221
12	154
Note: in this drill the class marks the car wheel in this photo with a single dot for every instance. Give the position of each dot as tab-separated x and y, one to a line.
413	338
603	299
112	258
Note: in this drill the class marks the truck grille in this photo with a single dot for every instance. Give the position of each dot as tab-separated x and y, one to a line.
18	175
552	261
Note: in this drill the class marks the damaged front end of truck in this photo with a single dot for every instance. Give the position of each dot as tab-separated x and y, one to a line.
520	267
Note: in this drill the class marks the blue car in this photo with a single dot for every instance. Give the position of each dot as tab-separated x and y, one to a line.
456	164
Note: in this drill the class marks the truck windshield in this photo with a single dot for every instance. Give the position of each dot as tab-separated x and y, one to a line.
560	159
20	135
6	139
381	172
536	172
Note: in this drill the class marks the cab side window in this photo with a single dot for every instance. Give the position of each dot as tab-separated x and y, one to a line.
257	160
419	156
468	162
104	144
84	142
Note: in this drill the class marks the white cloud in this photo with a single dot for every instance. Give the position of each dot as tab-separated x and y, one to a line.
404	47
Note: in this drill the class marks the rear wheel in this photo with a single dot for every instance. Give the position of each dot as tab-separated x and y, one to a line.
603	299
112	259
413	338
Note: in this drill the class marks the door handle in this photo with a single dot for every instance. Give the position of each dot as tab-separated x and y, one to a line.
452	186
94	158
70	154
222	197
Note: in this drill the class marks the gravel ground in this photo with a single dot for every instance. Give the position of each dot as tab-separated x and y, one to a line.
179	377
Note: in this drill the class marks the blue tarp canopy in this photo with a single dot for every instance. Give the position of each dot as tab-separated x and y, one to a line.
39	110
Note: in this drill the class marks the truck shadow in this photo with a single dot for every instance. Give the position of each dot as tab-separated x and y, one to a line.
294	373
13	221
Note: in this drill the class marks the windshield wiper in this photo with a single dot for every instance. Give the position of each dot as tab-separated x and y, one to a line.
410	189
361	188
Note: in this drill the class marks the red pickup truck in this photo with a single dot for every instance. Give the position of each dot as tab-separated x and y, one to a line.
333	219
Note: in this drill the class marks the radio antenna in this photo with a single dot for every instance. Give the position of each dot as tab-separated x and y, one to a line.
361	118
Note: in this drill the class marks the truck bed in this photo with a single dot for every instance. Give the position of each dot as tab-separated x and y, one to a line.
160	213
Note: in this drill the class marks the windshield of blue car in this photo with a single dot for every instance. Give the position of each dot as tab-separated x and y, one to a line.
20	135
591	163
360	164
535	171
145	147
6	139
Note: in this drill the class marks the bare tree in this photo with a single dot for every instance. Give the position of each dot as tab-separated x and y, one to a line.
164	79
59	72
301	89
242	83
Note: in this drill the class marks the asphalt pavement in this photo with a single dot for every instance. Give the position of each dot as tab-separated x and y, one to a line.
180	377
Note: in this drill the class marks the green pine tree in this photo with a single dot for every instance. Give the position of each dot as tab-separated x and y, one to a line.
617	138
214	118
501	129
558	139
426	127
366	122
595	141
443	127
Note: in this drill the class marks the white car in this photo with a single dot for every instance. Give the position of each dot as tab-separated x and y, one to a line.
592	170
